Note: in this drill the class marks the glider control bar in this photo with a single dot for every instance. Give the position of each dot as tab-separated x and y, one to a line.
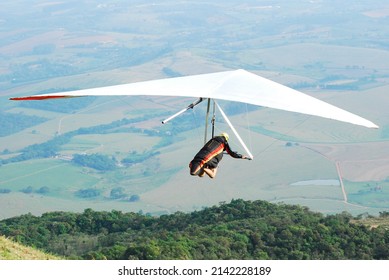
235	132
183	110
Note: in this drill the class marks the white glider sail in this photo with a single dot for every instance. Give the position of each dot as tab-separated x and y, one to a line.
237	85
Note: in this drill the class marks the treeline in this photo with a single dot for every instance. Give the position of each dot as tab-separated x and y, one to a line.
96	161
12	123
39	69
52	147
45	150
124	56
135	157
237	230
330	82
28	190
108	163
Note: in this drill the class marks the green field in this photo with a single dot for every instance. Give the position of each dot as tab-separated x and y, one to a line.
370	194
60	177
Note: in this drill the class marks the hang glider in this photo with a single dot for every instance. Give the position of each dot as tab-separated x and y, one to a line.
237	85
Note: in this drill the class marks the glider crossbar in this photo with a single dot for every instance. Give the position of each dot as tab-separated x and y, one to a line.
183	110
235	132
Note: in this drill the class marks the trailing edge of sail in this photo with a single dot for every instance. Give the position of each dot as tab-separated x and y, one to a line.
238	85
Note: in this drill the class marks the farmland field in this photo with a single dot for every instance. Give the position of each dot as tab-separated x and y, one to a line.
61	178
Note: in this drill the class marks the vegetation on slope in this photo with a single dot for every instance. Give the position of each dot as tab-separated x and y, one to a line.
10	250
237	230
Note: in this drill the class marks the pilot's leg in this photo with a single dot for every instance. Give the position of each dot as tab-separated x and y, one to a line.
201	173
211	172
195	168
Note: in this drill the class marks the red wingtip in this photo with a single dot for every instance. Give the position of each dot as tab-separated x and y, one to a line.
37	97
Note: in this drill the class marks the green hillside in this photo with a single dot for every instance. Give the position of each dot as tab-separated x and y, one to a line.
237	230
10	250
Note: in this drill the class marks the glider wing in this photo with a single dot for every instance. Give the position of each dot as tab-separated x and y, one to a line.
237	85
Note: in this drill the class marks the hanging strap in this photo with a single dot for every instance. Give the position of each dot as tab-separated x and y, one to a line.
235	132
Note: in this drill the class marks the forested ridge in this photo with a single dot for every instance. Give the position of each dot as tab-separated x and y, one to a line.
236	230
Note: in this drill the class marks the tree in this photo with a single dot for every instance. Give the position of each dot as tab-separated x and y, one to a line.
27	190
88	193
43	190
117	193
236	230
134	198
95	161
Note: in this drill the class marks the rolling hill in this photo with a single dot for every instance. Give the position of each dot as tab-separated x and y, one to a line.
236	230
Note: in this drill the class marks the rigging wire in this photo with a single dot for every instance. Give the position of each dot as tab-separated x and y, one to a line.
195	119
153	100
235	132
278	140
218	131
249	128
231	141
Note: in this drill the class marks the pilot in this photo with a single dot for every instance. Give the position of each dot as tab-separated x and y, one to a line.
207	159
